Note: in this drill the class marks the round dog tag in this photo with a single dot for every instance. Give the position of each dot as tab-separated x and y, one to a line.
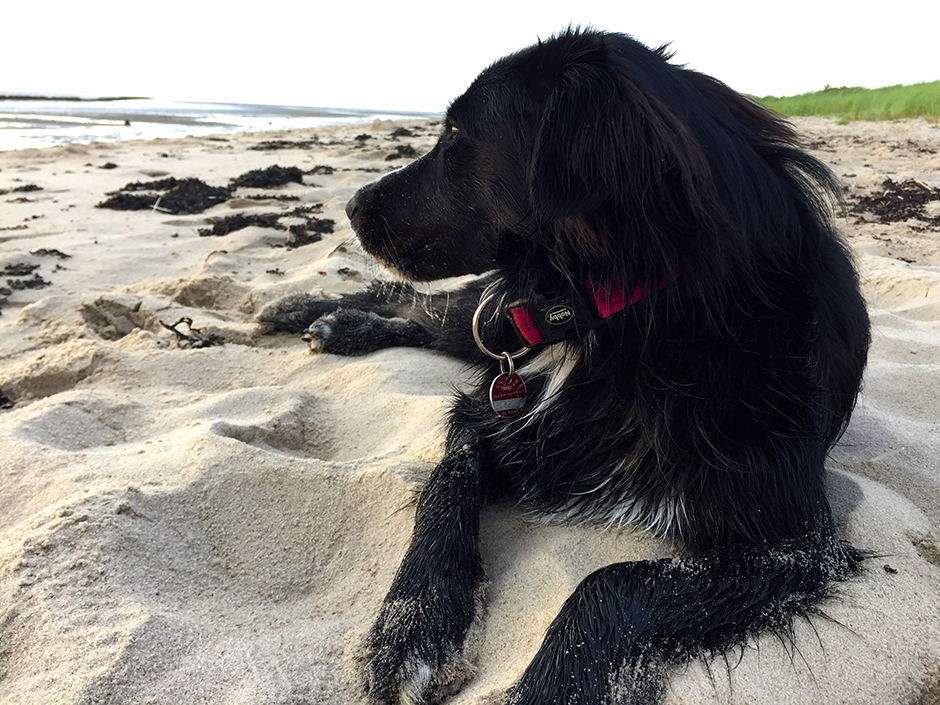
507	395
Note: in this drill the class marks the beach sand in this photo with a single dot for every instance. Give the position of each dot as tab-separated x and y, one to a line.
183	524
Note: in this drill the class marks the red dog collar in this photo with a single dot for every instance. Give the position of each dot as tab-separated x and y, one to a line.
550	318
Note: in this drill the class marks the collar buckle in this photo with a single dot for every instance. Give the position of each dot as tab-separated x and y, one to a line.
552	317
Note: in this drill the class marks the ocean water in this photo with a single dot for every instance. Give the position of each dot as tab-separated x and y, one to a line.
32	122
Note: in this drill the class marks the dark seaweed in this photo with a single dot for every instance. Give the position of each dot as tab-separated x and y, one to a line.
272	145
37	282
193	196
181	197
304	211
129	202
311	231
46	252
231	223
21	269
276	197
269	178
899	202
27	188
195	338
159	185
403	151
300	234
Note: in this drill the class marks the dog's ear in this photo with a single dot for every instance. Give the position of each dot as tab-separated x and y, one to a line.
602	139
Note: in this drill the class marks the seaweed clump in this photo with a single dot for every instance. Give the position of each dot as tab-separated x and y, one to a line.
26	188
193	196
271	177
272	145
238	221
899	201
305	233
403	151
184	196
311	231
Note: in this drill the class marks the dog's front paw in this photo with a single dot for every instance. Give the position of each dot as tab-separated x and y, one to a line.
293	313
349	331
414	654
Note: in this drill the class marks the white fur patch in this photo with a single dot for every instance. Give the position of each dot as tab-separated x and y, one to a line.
417	677
556	363
607	505
659	519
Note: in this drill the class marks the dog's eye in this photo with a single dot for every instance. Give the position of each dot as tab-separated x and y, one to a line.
451	132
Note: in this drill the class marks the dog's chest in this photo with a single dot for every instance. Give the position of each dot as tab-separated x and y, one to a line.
573	454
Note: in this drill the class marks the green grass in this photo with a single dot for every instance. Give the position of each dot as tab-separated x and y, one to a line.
845	104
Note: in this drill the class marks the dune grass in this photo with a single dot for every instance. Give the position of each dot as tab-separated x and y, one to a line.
845	104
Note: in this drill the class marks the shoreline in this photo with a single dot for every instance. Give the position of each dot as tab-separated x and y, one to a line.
66	98
40	122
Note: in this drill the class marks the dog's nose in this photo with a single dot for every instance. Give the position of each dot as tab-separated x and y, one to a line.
352	206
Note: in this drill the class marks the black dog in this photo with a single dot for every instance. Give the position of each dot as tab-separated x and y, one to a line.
698	340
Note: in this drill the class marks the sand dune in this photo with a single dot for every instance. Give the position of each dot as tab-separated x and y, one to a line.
218	524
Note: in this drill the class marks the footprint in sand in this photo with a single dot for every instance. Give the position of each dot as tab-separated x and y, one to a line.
270	418
79	420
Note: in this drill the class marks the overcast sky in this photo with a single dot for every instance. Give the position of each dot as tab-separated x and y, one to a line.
418	55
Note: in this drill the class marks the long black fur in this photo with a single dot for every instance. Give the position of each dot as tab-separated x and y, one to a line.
704	412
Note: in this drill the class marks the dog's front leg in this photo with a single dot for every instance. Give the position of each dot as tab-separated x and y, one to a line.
416	647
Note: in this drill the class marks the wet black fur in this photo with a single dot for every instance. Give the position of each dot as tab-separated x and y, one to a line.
585	156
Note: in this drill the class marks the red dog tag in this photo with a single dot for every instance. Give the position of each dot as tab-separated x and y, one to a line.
507	395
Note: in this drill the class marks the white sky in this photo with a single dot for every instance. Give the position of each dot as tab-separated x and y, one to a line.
418	55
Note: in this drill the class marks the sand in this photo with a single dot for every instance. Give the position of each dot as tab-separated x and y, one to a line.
219	524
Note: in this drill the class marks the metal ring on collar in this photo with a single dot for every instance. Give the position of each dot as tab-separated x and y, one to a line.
484	300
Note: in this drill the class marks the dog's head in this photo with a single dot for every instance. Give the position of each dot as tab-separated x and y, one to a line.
580	144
